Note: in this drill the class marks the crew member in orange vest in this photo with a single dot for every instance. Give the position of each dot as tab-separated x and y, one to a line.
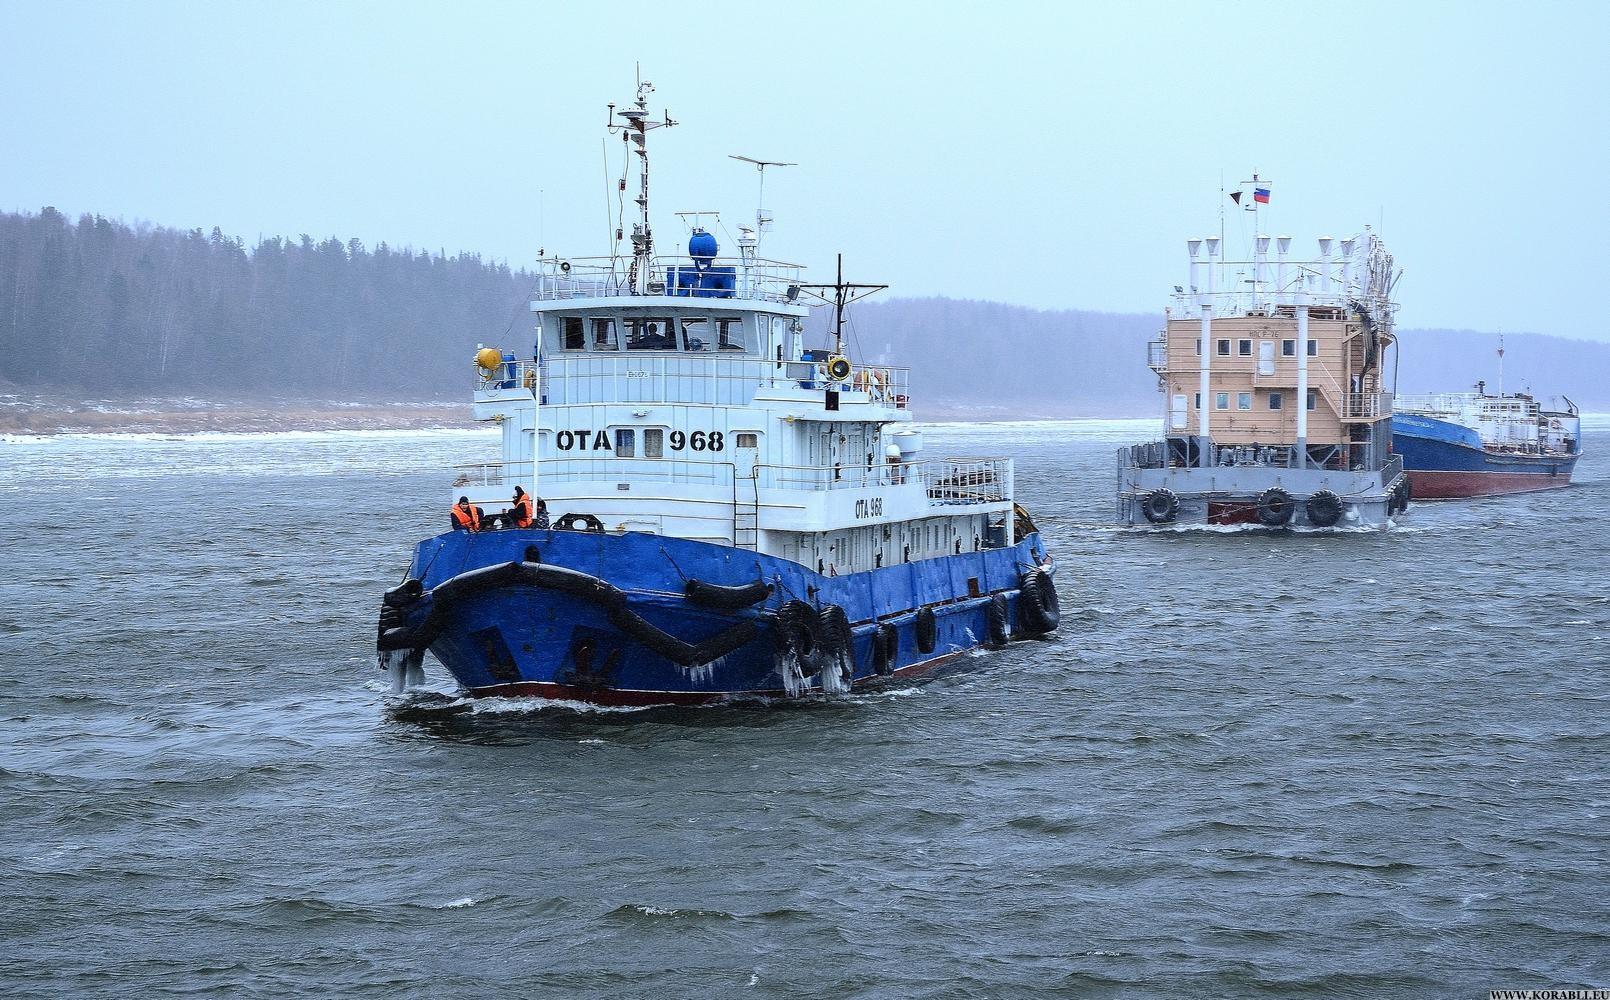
522	508
466	515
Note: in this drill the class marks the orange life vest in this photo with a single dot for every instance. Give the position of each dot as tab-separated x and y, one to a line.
467	517
522	511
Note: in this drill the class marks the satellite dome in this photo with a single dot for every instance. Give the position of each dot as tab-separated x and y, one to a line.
702	246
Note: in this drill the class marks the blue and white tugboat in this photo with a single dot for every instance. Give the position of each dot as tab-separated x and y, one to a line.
732	515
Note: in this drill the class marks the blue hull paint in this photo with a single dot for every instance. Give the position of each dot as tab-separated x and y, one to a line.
1447	460
529	640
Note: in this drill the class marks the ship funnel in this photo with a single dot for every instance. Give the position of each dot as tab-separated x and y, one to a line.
1194	248
1212	253
1325	264
1260	269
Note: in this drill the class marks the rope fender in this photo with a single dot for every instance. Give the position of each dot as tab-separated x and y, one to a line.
577	584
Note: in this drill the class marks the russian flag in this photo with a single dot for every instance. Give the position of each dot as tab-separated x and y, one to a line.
1260	195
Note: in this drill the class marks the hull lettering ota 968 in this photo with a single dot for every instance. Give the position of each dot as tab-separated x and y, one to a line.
721	510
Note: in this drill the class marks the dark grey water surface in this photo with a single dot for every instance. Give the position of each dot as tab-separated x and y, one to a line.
1294	766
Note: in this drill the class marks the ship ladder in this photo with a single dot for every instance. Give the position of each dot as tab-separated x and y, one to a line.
746	511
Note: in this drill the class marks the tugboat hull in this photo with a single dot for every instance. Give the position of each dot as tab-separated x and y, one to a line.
613	619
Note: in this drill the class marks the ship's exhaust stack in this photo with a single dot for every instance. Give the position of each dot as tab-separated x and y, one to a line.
1282	249
1325	243
1260	271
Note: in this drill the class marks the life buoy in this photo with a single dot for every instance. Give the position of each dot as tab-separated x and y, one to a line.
1275	507
1038	608
927	630
997	622
569	521
1160	506
1323	509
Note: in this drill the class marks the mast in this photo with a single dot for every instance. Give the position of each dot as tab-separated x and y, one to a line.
842	294
634	133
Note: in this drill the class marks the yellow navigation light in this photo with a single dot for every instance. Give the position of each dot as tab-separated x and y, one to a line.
488	359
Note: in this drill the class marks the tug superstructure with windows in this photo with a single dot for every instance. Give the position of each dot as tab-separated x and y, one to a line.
1277	408
733	513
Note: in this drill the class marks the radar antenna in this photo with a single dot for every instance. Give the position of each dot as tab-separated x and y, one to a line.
634	128
838	295
763	218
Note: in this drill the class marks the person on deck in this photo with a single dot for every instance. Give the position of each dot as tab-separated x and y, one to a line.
466	516
542	515
522	508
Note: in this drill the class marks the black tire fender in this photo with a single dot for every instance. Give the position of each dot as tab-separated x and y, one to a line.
1323	509
1160	506
927	629
1039	608
997	617
1275	507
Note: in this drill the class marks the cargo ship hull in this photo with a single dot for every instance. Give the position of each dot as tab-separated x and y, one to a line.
1446	461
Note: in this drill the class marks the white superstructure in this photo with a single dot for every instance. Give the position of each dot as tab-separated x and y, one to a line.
676	396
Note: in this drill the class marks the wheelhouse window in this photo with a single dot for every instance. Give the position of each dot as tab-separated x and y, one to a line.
653	442
650	334
1221	401
625	442
731	335
1244	348
604	334
1288	348
1276	401
573	336
1224	348
696	334
1243	400
1313	348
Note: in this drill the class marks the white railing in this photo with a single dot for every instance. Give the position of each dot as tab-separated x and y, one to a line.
492	474
1157	356
946	482
608	277
1366	405
666	377
967	480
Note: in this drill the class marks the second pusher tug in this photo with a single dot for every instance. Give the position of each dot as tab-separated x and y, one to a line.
1279	367
734	515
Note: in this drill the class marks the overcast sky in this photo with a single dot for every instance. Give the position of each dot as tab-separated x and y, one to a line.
1050	155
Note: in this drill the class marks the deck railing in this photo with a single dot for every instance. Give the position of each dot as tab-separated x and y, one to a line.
945	481
608	277
669	377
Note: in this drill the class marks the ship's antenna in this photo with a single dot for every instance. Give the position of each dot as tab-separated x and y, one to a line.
839	295
634	132
762	219
1500	366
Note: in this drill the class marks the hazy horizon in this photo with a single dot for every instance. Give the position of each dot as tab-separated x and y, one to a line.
1047	157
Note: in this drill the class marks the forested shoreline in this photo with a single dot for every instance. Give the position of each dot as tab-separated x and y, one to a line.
106	308
99	309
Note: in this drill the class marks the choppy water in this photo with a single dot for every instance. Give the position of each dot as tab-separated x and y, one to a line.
1294	766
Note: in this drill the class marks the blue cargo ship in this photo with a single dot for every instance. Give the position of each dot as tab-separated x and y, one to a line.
732	514
1475	444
